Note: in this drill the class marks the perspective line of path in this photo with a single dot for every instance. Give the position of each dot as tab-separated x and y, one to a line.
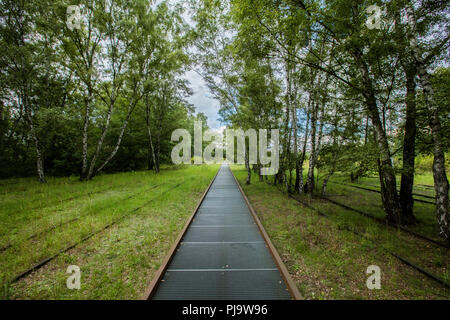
222	255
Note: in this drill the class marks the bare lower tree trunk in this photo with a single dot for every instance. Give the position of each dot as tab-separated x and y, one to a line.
119	139
39	158
150	140
440	176
298	172
407	180
301	185
319	141
325	181
247	165
158	151
315	146
296	155
100	141
309	187
261	177
150	163
287	131
388	182
113	153
286	143
29	117
287	161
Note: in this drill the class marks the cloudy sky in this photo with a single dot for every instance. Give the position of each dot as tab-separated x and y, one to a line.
202	99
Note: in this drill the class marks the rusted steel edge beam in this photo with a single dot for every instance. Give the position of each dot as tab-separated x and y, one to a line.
293	290
151	289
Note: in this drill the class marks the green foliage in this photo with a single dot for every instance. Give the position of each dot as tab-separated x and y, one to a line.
441	85
126	52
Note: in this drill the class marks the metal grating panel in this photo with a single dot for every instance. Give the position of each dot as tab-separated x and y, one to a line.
223	193
224	202
222	256
223	285
223	210
223	234
222	219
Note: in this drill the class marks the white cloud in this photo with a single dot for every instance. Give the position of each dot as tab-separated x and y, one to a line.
203	100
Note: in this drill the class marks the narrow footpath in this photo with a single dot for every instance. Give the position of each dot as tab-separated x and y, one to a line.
223	254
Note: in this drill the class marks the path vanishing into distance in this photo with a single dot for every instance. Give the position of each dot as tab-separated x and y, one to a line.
224	253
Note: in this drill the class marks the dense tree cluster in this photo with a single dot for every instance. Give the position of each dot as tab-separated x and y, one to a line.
352	90
348	93
73	99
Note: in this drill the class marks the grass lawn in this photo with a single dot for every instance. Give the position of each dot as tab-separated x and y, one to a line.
327	262
37	221
371	203
150	210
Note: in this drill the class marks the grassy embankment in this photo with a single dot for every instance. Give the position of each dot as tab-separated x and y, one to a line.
37	221
329	262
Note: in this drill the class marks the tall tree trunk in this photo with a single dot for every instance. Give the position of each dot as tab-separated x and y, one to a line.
297	174
388	182
119	139
151	149
309	187
440	176
158	150
84	153
39	161
247	164
321	99
407	180
296	155
101	140
29	117
286	144
39	157
387	175
318	145
301	185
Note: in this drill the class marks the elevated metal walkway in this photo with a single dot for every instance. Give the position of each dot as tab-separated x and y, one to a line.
222	254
